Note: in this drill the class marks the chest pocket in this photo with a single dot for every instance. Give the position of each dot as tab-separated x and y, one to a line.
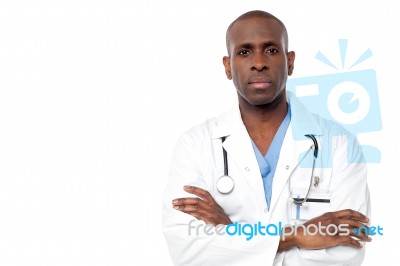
318	195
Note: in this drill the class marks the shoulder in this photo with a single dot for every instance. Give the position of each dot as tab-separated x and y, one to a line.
203	131
330	127
340	141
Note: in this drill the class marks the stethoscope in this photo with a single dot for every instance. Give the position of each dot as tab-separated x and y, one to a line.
303	201
226	183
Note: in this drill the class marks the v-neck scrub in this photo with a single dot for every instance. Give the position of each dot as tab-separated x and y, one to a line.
269	162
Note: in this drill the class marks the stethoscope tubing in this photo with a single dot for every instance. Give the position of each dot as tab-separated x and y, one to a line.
225	159
299	201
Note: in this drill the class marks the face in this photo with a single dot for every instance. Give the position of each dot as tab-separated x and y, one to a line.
258	63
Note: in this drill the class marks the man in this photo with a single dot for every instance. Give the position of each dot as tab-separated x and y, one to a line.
267	142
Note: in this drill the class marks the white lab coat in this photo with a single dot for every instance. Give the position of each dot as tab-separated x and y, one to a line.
198	161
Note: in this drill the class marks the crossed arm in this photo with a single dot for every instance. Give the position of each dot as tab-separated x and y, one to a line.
205	208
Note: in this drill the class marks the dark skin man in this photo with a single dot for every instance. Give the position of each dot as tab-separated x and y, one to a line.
259	64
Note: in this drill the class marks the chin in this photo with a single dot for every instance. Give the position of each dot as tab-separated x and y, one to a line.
266	100
258	102
262	100
262	97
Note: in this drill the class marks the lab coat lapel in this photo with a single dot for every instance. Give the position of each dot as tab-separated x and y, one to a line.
291	153
240	150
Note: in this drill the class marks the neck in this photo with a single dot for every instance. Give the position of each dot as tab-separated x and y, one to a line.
260	117
262	121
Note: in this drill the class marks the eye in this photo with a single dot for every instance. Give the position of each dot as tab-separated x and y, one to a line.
243	52
272	51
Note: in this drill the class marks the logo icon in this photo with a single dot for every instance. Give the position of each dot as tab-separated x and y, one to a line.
349	98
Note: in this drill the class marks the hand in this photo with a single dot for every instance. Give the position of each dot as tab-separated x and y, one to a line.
352	220
204	208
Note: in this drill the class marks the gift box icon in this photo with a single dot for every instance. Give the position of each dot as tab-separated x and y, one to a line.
349	98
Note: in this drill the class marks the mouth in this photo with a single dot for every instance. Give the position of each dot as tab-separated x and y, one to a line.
260	83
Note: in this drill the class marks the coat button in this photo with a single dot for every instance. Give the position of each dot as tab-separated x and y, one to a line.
247	169
287	167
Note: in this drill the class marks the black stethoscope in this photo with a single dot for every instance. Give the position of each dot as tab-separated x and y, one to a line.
303	201
226	183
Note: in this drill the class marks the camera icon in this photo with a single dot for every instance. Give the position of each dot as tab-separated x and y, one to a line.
349	98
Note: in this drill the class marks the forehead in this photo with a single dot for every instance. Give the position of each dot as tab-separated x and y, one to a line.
256	30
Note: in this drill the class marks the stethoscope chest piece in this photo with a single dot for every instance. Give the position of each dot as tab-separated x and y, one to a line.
225	184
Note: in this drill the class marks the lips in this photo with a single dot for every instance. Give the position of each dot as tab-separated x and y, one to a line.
260	82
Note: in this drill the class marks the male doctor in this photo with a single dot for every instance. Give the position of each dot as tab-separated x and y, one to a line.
266	148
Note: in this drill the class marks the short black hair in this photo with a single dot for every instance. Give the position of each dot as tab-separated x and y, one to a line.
259	14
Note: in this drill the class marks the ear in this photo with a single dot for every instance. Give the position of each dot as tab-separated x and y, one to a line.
227	63
290	57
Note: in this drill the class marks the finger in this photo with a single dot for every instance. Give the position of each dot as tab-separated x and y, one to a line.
349	241
185	201
358	230
360	233
351	214
350	223
204	194
189	207
354	228
343	227
190	204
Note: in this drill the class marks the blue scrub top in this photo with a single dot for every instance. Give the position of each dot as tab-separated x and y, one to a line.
269	162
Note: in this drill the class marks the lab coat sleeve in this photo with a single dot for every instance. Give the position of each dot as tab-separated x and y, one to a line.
348	190
188	246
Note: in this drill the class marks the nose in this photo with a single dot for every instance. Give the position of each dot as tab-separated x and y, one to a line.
259	63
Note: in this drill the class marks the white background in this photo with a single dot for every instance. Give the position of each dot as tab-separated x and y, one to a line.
93	95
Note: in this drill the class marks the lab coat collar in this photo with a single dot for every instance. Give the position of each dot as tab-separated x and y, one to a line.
228	123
